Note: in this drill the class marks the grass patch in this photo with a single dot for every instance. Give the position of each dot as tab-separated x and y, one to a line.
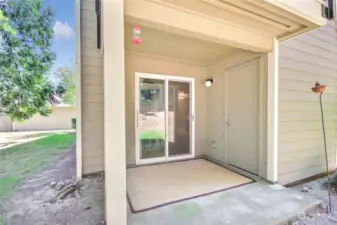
151	135
19	161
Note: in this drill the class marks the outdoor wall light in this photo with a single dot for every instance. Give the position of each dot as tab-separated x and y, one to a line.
209	82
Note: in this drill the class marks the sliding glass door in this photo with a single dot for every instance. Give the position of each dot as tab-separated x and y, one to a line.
164	118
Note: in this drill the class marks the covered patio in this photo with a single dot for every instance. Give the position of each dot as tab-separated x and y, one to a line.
155	186
168	137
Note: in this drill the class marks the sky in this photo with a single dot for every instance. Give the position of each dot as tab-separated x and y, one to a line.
64	32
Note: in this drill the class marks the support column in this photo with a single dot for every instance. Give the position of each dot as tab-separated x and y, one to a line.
272	114
114	112
78	91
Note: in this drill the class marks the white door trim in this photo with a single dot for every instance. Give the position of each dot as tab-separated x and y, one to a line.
166	79
261	114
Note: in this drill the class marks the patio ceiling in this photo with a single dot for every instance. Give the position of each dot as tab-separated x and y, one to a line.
164	44
245	24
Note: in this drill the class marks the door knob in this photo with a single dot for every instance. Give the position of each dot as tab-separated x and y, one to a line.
229	121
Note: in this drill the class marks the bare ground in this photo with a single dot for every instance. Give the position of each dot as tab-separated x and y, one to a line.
319	215
30	203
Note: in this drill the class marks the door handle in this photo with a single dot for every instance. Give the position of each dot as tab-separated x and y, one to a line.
229	121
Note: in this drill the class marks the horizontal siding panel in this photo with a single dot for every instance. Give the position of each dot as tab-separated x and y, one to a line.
87	13
301	155
286	73
92	98
332	24
303	125
92	61
286	116
92	116
93	129
93	145
303	164
296	85
94	88
325	37
88	33
90	70
328	30
95	105
302	174
88	5
91	52
312	40
92	80
91	43
303	61
285	105
93	165
305	96
304	135
310	49
316	142
306	67
89	25
300	56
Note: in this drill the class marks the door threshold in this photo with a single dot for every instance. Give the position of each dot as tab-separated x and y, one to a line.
162	162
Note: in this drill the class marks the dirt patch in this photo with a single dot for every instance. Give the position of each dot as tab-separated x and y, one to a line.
319	215
30	202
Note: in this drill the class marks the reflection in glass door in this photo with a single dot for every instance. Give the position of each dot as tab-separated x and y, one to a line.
151	118
178	118
164	118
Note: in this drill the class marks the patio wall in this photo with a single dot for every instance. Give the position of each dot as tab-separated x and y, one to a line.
304	60
140	63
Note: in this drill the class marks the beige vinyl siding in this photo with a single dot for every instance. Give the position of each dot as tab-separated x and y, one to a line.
92	92
145	64
304	60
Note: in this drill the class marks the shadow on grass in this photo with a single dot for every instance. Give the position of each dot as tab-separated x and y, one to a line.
26	159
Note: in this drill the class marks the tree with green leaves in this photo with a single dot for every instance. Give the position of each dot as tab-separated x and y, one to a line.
26	36
66	77
4	24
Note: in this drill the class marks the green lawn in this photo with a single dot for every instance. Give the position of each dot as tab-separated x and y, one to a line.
19	161
150	135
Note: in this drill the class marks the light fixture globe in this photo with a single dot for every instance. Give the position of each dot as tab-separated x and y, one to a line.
208	82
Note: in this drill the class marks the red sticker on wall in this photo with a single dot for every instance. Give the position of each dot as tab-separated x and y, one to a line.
136	35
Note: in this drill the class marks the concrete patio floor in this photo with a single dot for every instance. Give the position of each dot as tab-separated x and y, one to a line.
254	204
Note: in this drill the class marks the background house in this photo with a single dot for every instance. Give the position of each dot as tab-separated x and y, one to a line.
59	119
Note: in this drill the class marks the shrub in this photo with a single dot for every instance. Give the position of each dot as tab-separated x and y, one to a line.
73	123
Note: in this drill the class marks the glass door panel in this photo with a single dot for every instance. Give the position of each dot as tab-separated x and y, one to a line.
151	118
179	118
